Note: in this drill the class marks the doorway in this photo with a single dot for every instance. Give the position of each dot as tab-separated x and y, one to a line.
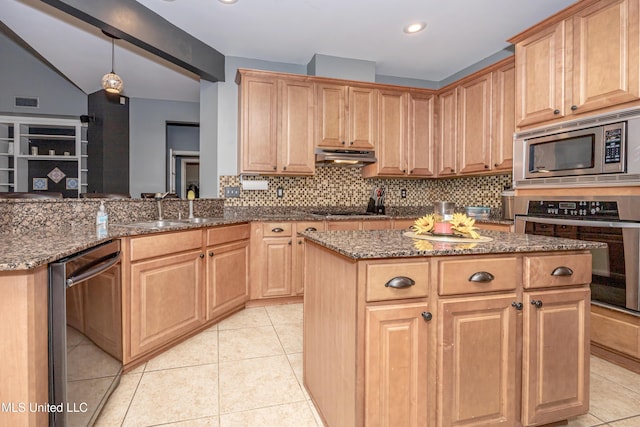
183	158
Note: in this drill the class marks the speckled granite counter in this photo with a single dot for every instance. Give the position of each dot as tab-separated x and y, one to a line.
46	231
393	244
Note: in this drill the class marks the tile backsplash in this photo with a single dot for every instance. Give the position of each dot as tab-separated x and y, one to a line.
333	186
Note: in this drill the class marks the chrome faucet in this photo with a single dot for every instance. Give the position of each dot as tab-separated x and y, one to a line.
159	197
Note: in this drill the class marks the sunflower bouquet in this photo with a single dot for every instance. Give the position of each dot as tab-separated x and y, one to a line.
461	225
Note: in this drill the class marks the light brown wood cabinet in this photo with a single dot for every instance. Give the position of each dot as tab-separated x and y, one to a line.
346	116
456	340
474	125
481	340
405	144
582	60
175	283
476	122
277	123
447	131
165	298
227	269
277	254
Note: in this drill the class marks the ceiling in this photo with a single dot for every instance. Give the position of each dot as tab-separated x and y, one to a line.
459	33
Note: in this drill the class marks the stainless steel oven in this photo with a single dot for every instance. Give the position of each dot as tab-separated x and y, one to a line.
612	220
85	334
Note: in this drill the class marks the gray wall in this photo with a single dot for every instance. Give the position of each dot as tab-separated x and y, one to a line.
24	75
147	140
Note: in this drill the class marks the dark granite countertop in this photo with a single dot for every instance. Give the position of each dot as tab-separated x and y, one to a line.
42	245
394	244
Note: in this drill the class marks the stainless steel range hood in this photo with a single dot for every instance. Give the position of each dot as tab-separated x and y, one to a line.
344	158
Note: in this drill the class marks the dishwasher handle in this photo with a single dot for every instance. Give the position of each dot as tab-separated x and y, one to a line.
93	268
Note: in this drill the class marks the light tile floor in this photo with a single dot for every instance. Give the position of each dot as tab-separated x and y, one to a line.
247	371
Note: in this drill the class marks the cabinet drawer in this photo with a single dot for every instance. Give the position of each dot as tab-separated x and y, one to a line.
382	277
227	233
376	224
276	229
469	276
546	271
309	226
164	244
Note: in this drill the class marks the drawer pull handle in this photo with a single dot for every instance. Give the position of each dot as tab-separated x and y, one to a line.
310	229
427	316
537	303
562	271
277	230
400	282
481	277
516	305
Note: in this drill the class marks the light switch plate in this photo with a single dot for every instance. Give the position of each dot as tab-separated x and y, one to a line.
231	191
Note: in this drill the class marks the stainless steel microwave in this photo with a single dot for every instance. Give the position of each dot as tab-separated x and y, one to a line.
594	151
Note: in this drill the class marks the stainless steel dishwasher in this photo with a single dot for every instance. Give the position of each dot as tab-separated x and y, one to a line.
85	334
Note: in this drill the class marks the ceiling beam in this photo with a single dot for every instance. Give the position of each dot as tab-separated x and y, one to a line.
131	21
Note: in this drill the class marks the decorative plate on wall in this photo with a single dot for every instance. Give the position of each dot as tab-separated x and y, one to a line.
40	183
56	175
72	184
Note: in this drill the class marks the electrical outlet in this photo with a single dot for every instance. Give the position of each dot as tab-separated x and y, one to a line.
231	191
403	193
280	192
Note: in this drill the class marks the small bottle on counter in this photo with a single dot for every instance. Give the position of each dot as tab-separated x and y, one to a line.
102	219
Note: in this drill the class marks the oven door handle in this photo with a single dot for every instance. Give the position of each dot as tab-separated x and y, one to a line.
92	269
578	222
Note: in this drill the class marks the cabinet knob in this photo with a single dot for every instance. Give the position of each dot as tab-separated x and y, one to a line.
284	168
299	242
275	168
517	305
411	171
201	256
537	303
486	166
404	171
344	143
427	316
289	243
310	229
211	253
277	230
556	111
562	271
400	282
351	143
481	277
495	165
574	107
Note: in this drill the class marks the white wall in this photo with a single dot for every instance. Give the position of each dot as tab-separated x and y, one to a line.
147	140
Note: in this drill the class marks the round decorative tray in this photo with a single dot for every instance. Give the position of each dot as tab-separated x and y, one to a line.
451	238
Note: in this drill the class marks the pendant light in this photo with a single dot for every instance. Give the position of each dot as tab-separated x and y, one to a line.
111	82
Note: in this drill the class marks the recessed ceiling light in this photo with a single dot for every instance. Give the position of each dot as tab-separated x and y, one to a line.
414	28
227	1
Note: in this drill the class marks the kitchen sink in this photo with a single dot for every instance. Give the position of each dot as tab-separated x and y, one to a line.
157	224
198	220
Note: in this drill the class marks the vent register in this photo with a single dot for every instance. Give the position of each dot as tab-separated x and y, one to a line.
26	102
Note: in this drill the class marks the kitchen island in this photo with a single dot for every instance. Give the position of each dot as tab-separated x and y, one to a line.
412	332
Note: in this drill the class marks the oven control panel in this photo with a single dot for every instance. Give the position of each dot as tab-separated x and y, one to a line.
574	209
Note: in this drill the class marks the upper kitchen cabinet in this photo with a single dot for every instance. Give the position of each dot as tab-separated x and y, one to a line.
581	60
276	123
405	142
474	120
447	131
346	117
503	120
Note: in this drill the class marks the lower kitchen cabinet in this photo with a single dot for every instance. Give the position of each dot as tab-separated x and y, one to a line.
396	340
471	340
166	300
277	254
227	269
163	290
555	365
477	361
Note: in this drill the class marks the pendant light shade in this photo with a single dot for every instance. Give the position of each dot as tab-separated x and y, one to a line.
111	82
